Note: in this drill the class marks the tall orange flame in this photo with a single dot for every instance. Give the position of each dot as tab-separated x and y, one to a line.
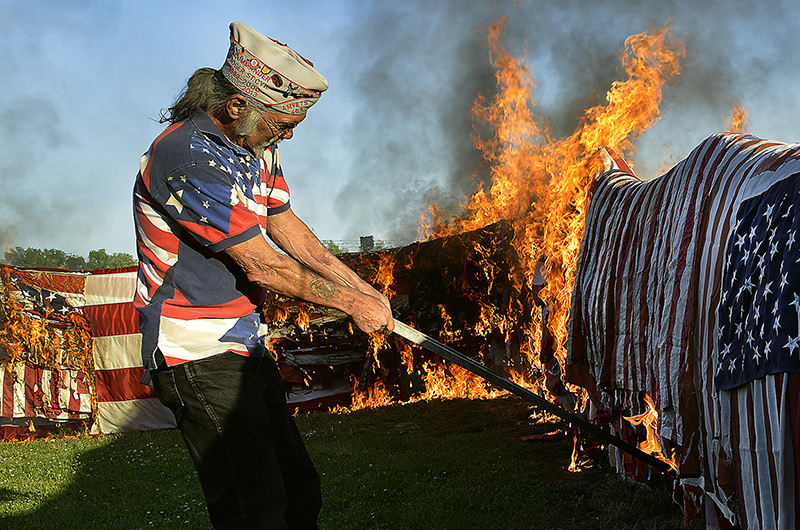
544	183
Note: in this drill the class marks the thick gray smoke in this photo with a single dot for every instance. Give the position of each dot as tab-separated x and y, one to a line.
419	68
29	128
82	77
421	65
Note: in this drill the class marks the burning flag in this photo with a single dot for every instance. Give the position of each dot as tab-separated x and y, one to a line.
73	347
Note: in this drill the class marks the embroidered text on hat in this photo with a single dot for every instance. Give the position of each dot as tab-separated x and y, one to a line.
271	72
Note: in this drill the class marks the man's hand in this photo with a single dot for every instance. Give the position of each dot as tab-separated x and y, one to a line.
368	290
371	314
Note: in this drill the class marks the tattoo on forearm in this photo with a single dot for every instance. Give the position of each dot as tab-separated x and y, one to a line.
323	288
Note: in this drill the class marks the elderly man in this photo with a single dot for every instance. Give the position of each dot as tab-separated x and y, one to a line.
209	191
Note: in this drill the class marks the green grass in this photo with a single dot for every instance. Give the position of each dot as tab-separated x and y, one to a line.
450	464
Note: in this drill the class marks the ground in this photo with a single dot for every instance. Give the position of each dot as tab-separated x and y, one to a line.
443	464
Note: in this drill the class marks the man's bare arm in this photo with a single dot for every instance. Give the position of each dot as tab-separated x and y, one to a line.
282	274
294	237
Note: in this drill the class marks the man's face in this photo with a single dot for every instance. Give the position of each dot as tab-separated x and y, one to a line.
272	128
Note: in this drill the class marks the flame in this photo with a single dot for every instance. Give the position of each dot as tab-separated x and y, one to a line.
385	275
738	119
543	183
375	396
441	381
651	445
574	464
452	381
384	278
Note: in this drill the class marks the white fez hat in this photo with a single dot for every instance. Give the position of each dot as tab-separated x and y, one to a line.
271	72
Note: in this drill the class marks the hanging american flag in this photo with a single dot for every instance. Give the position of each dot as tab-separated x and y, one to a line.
50	304
101	304
687	289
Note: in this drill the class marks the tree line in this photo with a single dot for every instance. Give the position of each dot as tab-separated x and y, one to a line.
53	258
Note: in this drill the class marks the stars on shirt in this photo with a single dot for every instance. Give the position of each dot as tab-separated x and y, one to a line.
175	200
221	178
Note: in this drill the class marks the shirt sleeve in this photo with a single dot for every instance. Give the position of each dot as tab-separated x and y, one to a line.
275	185
205	199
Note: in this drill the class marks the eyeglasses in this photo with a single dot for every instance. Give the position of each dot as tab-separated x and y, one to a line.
283	128
279	128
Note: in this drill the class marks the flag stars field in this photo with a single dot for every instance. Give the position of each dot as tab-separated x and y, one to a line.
757	278
768	212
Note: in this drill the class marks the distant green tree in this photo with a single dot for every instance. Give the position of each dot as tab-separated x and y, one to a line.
100	259
53	258
332	246
48	258
75	263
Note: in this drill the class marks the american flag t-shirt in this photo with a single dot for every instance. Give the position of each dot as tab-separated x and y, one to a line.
196	195
759	311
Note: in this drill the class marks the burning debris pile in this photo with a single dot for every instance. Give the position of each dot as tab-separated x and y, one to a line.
458	288
528	215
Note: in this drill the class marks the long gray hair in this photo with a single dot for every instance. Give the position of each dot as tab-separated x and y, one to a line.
209	90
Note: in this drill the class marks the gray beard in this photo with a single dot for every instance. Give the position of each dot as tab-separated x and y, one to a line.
260	149
247	127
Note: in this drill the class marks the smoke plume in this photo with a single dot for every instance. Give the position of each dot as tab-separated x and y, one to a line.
420	66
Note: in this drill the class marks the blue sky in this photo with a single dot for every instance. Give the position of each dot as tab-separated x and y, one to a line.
84	81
